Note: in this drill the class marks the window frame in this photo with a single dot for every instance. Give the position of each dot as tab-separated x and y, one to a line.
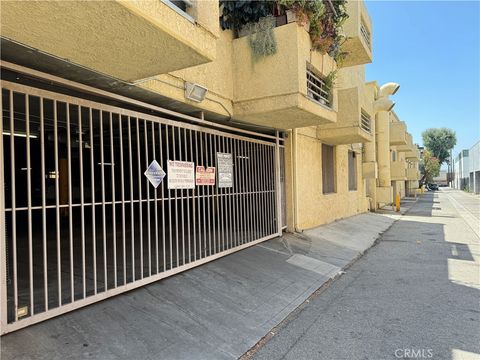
352	155
325	171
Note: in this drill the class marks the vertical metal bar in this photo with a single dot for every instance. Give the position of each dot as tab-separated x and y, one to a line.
57	203
193	207
238	215
29	203
265	189
188	198
230	195
14	215
277	183
70	217
3	238
271	189
225	197
252	194
92	179
169	199
181	195
215	201
147	187
258	175
122	185
204	247
44	204
82	198
244	191
114	220
156	201
208	198
198	206
225	203
104	222
163	197
176	204
132	204
140	198
219	193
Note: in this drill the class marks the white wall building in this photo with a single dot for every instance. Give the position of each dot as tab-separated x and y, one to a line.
461	171
474	168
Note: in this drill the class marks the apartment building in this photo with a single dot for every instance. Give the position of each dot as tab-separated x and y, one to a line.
140	139
466	168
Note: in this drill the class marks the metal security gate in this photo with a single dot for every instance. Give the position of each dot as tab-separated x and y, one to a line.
80	222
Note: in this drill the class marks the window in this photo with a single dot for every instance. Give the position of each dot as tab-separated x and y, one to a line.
317	88
365	34
352	171
366	122
328	169
394	156
183	7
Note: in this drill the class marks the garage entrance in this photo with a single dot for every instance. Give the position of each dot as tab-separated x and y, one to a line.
81	222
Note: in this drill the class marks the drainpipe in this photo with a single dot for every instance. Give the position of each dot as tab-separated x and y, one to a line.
382	106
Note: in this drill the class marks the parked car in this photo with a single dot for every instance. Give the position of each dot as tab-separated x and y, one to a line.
432	187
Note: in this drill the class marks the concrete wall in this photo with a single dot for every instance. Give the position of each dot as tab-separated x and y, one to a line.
310	206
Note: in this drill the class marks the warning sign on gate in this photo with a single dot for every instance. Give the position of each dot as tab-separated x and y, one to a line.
205	176
225	170
181	174
154	173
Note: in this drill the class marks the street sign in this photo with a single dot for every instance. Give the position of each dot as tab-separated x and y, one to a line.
181	174
205	176
225	170
154	173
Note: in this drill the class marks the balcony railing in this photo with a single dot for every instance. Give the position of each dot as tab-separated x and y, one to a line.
181	6
317	89
365	34
366	122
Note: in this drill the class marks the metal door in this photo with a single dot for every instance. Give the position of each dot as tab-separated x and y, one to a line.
79	220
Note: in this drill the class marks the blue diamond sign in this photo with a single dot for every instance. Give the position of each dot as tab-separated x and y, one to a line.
155	173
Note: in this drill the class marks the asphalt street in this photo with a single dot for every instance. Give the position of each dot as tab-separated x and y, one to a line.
415	295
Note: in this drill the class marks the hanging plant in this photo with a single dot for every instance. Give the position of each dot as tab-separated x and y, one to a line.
262	38
234	15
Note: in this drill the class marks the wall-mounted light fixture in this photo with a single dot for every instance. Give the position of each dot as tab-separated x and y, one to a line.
195	92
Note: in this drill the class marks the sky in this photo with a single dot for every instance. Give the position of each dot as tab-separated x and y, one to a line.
432	49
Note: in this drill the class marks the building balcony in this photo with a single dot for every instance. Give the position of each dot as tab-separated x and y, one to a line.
408	146
413	154
398	170
285	90
127	40
358	30
398	133
354	125
413	174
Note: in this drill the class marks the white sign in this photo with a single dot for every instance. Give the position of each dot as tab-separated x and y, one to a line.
154	173
225	170
181	174
205	176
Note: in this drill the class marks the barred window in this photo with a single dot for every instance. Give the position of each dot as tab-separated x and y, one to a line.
328	169
352	171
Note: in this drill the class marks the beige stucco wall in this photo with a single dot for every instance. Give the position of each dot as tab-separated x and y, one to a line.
312	207
123	39
216	76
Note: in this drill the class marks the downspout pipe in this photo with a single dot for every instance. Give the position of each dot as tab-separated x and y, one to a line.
388	89
383	104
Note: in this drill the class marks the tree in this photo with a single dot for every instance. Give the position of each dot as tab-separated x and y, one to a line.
429	167
439	142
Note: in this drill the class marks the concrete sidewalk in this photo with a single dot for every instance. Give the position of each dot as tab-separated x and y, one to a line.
215	311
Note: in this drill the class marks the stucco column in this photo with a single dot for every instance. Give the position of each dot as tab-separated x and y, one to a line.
382	126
